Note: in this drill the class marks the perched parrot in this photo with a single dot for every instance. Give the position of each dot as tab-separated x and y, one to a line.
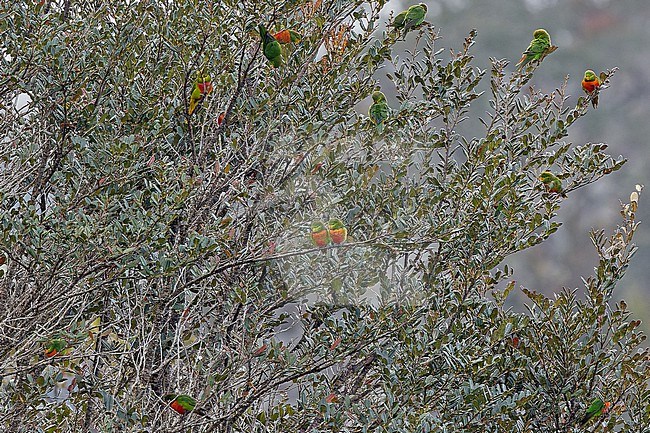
202	87
412	17
552	183
319	234
182	404
221	118
596	409
286	36
378	111
590	84
539	48
55	346
270	47
338	232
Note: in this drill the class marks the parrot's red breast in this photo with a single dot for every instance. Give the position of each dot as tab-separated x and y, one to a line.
205	88
590	86
284	37
320	238
177	407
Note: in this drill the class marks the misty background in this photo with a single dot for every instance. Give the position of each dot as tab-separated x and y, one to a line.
590	34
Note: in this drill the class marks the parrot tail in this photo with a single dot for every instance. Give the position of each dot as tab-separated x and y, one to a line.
193	104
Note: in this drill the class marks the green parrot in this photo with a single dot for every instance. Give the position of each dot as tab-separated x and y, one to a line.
182	404
338	231
202	87
539	48
590	84
55	346
378	111
596	409
552	183
410	18
270	47
319	234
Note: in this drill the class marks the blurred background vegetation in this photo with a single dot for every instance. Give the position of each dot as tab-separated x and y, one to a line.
591	34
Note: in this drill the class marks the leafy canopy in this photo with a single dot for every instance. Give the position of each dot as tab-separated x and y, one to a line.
172	252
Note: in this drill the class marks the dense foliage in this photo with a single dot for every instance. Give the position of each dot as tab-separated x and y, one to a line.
171	252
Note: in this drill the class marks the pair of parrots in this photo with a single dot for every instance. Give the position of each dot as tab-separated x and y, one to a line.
541	46
272	51
335	231
271	47
404	21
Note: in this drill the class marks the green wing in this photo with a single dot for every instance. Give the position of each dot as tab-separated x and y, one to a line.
398	22
378	112
535	51
414	16
537	48
295	36
196	93
195	97
186	402
595	409
57	344
270	47
272	50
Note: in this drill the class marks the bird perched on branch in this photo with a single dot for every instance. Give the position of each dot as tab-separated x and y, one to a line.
596	409
182	404
552	183
338	232
55	347
270	47
410	18
202	87
319	234
379	110
539	48
591	85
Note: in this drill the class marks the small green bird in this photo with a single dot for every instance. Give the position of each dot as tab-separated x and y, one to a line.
378	111
55	346
590	84
410	18
182	404
270	47
596	409
338	231
319	234
552	183
202	88
539	48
